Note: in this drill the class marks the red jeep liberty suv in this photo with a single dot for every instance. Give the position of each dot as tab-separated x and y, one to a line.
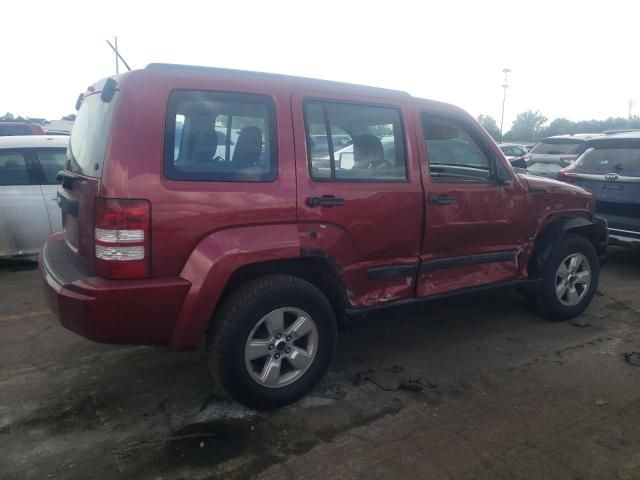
259	212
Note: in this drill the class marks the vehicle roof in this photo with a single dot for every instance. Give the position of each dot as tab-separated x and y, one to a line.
309	82
614	138
34	141
574	136
15	122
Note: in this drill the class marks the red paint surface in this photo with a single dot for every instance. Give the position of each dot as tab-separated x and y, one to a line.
201	232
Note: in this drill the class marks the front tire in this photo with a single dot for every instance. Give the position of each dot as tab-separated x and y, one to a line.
570	278
272	341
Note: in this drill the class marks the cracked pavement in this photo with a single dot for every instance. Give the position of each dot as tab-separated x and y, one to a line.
479	388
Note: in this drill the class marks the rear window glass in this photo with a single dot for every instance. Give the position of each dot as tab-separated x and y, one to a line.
51	161
89	136
624	161
558	148
540	168
213	136
13	169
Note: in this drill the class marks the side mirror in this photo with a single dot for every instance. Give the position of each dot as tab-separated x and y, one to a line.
79	101
519	163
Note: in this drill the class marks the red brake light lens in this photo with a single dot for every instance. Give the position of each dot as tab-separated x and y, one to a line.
122	243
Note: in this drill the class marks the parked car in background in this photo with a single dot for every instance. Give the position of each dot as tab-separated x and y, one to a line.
610	168
262	250
19	128
513	150
28	186
552	154
57	127
514	153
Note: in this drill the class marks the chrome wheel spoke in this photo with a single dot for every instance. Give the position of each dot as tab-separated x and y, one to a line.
301	327
562	270
573	263
271	372
573	296
561	289
275	322
583	277
257	349
300	359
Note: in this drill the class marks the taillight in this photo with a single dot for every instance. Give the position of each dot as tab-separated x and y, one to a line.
122	238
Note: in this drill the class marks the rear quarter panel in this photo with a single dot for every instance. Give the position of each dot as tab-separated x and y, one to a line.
183	213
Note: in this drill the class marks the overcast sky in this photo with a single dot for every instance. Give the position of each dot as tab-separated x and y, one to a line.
568	59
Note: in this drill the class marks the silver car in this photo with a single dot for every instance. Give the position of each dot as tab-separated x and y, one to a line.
553	154
28	210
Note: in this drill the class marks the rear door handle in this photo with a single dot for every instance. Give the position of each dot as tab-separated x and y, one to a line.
326	201
442	199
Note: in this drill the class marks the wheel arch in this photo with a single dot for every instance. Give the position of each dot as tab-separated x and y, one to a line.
593	229
217	267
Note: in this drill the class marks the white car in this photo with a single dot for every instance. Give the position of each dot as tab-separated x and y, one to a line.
28	209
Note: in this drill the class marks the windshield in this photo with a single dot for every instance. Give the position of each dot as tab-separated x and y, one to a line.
624	161
558	148
89	136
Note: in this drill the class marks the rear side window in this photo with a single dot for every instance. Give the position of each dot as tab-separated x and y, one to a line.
13	169
624	161
558	147
89	136
51	161
214	136
452	153
365	143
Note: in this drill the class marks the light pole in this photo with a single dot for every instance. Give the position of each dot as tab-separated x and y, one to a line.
506	72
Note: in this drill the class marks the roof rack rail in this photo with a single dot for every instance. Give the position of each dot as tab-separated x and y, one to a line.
197	68
622	130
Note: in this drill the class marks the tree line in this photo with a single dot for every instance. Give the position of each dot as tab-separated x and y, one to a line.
530	126
10	117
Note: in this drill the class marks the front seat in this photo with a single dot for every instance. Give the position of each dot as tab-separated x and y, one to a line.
205	145
248	148
368	152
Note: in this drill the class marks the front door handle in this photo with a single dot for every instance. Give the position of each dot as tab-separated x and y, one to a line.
442	199
325	201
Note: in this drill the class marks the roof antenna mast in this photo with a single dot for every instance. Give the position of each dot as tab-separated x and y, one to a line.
118	56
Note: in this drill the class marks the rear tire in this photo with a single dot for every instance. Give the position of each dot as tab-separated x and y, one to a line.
272	341
569	278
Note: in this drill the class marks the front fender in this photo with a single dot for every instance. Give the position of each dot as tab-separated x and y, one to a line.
212	263
592	228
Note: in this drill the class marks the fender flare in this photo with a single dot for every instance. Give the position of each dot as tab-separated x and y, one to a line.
595	230
211	264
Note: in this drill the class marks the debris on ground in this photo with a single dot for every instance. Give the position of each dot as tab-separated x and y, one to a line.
632	358
601	403
333	391
392	379
579	322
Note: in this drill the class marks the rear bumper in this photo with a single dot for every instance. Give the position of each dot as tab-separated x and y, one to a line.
133	312
623	230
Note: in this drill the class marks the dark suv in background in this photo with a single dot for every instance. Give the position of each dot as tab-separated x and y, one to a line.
610	168
553	154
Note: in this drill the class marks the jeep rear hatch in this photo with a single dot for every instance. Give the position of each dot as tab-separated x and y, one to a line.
83	171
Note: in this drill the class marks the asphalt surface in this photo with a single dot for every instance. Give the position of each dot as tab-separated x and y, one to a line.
479	388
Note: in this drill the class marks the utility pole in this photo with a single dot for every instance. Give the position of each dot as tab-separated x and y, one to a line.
506	72
631	104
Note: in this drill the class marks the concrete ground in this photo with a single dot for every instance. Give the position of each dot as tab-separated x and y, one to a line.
473	389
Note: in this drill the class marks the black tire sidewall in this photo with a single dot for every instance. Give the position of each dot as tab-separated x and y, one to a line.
552	308
231	365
